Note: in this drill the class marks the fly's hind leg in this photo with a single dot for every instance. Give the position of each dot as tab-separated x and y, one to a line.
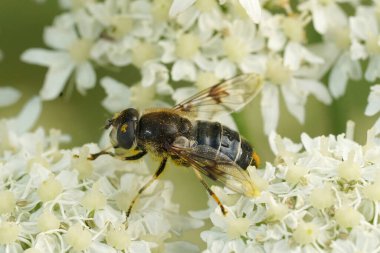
212	194
142	189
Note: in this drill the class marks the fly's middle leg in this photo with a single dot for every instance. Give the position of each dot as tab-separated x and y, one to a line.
142	189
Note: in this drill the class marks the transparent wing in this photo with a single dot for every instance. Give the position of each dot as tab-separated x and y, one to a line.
227	96
217	166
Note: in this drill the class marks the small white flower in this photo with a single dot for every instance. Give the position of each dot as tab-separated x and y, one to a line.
240	48
365	32
295	87
184	50
120	96
71	54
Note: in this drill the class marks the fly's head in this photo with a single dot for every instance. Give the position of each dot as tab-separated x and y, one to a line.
124	128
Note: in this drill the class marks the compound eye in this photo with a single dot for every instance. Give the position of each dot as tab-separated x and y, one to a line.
126	135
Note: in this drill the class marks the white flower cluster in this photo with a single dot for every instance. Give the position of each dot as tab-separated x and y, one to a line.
52	201
322	195
209	40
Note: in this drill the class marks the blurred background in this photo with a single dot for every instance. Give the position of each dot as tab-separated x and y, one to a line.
21	27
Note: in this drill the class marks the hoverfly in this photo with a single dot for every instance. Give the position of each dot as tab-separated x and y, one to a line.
180	134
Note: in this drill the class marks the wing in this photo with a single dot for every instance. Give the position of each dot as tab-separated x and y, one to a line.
227	96
217	166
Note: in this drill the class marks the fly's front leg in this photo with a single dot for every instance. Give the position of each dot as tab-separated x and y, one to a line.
134	157
142	189
96	155
126	158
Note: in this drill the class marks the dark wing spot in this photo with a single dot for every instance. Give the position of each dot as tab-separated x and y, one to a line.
217	92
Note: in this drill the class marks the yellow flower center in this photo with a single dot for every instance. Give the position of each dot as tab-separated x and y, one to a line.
235	48
143	52
160	10
372	44
293	28
121	25
80	50
187	46
205	5
276	72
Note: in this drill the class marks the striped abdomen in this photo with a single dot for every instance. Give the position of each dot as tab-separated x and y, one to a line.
226	141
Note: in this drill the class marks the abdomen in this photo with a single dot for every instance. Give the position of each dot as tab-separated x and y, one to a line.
225	140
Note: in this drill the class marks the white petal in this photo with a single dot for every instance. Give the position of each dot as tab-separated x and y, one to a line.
373	105
295	53
329	53
363	24
181	94
168	54
8	96
118	95
179	6
337	81
204	63
28	116
183	70
85	77
210	21
319	19
56	79
59	38
377	126
100	48
358	51
253	9
277	41
97	247
225	69
292	57
41	57
163	88
88	27
270	107
253	64
47	243
316	88
294	101
187	18
183	247
154	73
139	247
373	69
355	70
